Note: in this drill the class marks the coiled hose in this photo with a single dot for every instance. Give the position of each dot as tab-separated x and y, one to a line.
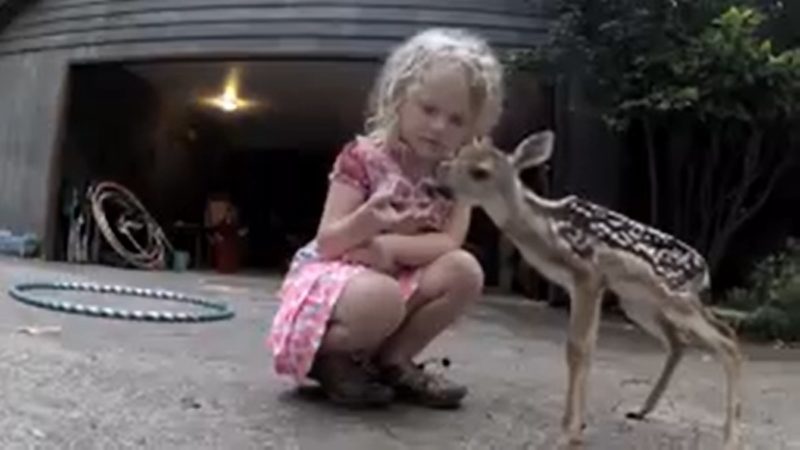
133	217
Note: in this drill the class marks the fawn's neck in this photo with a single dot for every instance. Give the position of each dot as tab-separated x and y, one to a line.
527	220
517	208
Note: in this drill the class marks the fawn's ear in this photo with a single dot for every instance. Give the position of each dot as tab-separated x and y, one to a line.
486	141
482	143
533	150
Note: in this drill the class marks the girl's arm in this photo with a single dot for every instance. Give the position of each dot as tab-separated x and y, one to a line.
349	221
420	250
344	223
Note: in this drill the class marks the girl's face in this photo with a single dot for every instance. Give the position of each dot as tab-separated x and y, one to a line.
436	118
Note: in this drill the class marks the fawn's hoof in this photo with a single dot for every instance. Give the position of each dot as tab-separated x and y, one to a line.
572	438
570	442
733	443
635	415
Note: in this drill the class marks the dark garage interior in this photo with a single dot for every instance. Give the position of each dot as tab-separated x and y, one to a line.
153	128
146	127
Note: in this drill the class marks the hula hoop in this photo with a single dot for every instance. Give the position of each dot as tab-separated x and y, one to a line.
218	310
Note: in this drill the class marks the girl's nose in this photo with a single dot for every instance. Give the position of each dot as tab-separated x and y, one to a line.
438	123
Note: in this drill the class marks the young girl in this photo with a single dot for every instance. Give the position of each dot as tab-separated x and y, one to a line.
386	274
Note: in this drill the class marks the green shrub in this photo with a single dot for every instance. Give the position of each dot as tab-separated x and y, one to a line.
772	297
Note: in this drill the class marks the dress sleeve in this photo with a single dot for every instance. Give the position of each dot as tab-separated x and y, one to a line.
350	168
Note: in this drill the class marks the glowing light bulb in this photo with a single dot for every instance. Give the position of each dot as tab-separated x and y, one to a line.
229	100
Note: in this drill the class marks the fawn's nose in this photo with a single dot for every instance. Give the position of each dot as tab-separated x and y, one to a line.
443	191
441	170
438	187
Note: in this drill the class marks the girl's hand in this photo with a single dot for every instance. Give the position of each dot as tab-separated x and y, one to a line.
382	214
374	254
414	221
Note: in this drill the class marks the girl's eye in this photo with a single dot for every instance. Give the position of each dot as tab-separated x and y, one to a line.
457	121
428	109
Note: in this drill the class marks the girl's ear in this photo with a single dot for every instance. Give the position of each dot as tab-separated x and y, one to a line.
533	150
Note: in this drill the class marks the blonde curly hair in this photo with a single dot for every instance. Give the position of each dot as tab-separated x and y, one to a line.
408	63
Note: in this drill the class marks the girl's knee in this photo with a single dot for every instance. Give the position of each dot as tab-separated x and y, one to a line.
375	285
463	271
386	292
372	296
370	308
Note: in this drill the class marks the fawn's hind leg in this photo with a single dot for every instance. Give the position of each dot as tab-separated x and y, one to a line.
721	340
674	346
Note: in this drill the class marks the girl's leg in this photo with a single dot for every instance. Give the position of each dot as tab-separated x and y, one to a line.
447	286
370	308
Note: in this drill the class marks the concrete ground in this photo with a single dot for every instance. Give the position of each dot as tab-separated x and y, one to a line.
103	384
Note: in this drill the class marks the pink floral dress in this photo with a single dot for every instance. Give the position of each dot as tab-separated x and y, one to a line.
312	285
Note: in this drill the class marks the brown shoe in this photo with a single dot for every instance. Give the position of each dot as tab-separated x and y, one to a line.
414	384
347	380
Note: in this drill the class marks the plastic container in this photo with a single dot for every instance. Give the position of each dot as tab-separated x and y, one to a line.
226	248
25	245
180	261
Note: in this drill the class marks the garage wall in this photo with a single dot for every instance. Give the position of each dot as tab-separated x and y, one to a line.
32	95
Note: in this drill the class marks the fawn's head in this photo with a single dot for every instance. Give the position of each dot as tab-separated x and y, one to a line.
483	174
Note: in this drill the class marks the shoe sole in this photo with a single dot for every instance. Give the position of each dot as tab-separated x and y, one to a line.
430	403
358	403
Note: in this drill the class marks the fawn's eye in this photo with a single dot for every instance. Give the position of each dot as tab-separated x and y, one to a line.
479	173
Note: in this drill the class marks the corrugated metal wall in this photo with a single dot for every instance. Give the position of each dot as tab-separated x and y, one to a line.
363	27
31	87
38	46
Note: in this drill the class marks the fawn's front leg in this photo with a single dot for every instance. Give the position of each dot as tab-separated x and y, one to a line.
585	303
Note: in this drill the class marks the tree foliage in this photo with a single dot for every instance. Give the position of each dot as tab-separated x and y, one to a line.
726	73
701	87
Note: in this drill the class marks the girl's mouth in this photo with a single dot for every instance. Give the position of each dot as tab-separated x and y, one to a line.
431	142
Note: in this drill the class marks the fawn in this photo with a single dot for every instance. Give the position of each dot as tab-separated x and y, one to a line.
587	249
